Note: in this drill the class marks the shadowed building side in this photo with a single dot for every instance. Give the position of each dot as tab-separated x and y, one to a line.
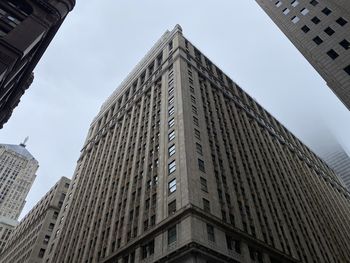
26	29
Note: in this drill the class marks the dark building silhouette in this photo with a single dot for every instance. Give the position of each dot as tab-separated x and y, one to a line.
181	165
26	29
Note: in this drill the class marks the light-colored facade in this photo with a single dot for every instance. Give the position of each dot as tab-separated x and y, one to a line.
6	227
339	161
320	29
17	174
181	165
29	241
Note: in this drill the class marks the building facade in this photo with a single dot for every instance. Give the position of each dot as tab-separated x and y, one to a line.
17	174
29	240
320	29
6	227
181	165
26	29
339	160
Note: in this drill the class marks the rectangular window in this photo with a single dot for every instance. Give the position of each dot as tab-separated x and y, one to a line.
51	226
206	205
315	20
171	111
172	236
341	21
172	207
347	69
147	250
46	239
286	11
171	135
295	19
194	110
171	167
197	134
171	122
304	11
294	3
314	2
345	44
55	215
159	59
326	11
229	242
318	40
332	54
201	165
329	31
171	100
195	121
305	29
193	99
199	148
172	186
204	185
41	253
171	150
171	91
210	232
171	45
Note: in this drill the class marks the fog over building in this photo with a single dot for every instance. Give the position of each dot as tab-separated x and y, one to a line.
339	160
321	32
17	174
26	29
181	165
29	241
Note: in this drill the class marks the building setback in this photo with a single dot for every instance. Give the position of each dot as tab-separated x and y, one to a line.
181	165
320	29
26	29
29	240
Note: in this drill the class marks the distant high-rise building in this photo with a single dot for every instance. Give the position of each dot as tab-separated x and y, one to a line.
181	165
17	174
339	161
26	29
28	242
320	29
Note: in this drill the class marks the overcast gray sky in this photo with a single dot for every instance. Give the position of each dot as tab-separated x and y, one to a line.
101	41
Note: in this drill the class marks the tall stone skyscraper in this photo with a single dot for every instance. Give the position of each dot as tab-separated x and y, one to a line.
320	29
339	160
17	174
181	165
26	29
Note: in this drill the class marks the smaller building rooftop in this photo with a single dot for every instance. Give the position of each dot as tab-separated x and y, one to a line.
19	149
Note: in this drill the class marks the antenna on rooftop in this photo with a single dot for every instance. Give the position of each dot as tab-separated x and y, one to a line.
23	144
